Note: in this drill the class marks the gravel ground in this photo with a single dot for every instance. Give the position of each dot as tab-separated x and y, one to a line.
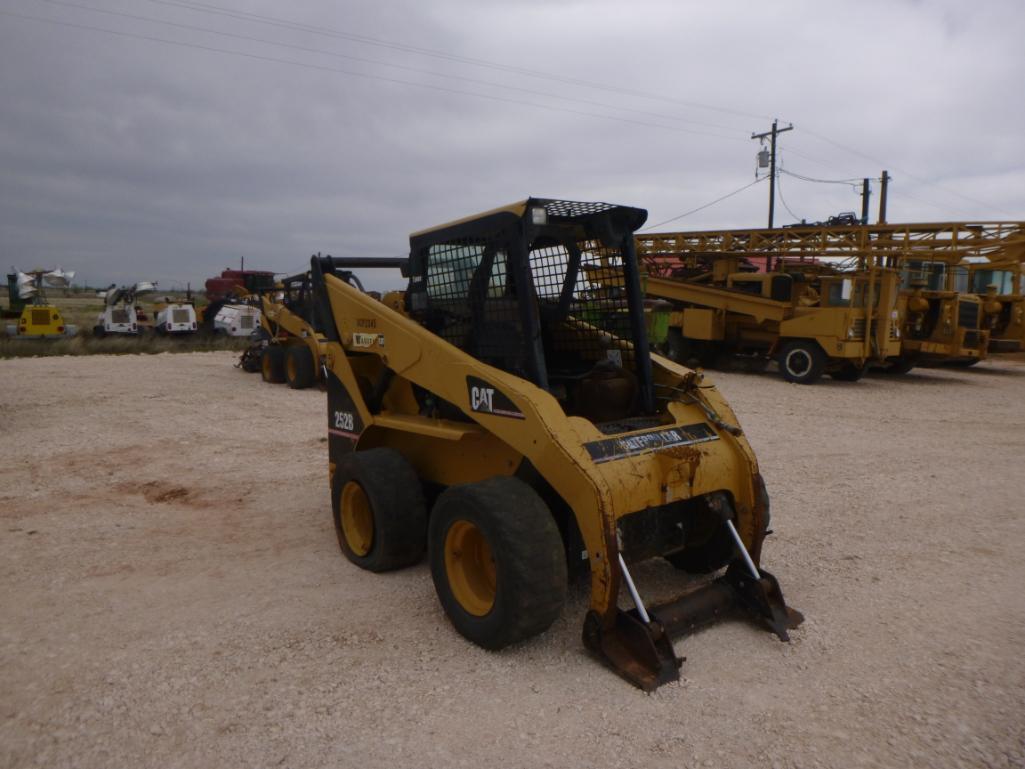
171	592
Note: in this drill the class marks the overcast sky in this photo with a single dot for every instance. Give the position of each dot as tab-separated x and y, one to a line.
200	133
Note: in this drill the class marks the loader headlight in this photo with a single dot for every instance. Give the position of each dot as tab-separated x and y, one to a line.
538	216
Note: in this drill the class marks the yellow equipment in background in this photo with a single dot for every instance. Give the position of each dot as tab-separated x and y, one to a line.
523	400
292	349
940	322
812	319
999	286
38	319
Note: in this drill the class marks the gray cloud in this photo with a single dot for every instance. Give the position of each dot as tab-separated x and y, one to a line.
127	159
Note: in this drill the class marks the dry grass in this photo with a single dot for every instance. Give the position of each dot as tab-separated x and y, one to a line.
86	344
81	309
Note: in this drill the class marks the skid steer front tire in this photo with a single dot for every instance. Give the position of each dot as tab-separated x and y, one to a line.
497	560
272	364
379	510
299	371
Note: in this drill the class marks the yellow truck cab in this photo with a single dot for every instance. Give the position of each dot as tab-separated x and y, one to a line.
811	318
999	288
939	323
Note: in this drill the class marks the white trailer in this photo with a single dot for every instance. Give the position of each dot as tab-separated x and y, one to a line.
237	320
176	319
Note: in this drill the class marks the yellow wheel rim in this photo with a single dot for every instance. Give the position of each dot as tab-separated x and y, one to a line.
357	519
470	568
290	368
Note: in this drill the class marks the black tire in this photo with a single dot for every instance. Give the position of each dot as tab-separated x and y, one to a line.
678	348
272	364
848	372
711	549
299	368
802	361
901	364
251	362
99	332
527	556
395	510
964	362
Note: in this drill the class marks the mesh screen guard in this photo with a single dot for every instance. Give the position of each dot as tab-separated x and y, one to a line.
544	289
577	288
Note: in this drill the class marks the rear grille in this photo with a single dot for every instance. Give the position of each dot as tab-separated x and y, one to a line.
180	316
968	314
40	317
246	322
971	338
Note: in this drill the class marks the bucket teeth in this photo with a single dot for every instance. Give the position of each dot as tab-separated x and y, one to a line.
763	599
643	654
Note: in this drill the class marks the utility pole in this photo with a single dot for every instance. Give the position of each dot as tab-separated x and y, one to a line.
884	182
866	193
772	162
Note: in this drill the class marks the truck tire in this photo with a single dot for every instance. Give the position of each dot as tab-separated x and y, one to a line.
272	364
802	361
299	369
848	372
901	364
678	348
497	560
379	510
99	332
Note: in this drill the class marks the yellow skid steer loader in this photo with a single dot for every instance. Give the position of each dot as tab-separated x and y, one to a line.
521	397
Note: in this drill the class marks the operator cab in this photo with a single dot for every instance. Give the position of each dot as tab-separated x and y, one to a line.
547	290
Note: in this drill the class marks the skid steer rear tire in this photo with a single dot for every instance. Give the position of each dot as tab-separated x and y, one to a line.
272	364
497	560
379	510
802	361
299	371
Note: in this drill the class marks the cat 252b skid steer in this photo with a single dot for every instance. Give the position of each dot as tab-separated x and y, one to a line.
513	385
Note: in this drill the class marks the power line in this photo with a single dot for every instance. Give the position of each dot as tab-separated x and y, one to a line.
848	182
706	205
908	174
783	200
365	75
417	70
210	8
